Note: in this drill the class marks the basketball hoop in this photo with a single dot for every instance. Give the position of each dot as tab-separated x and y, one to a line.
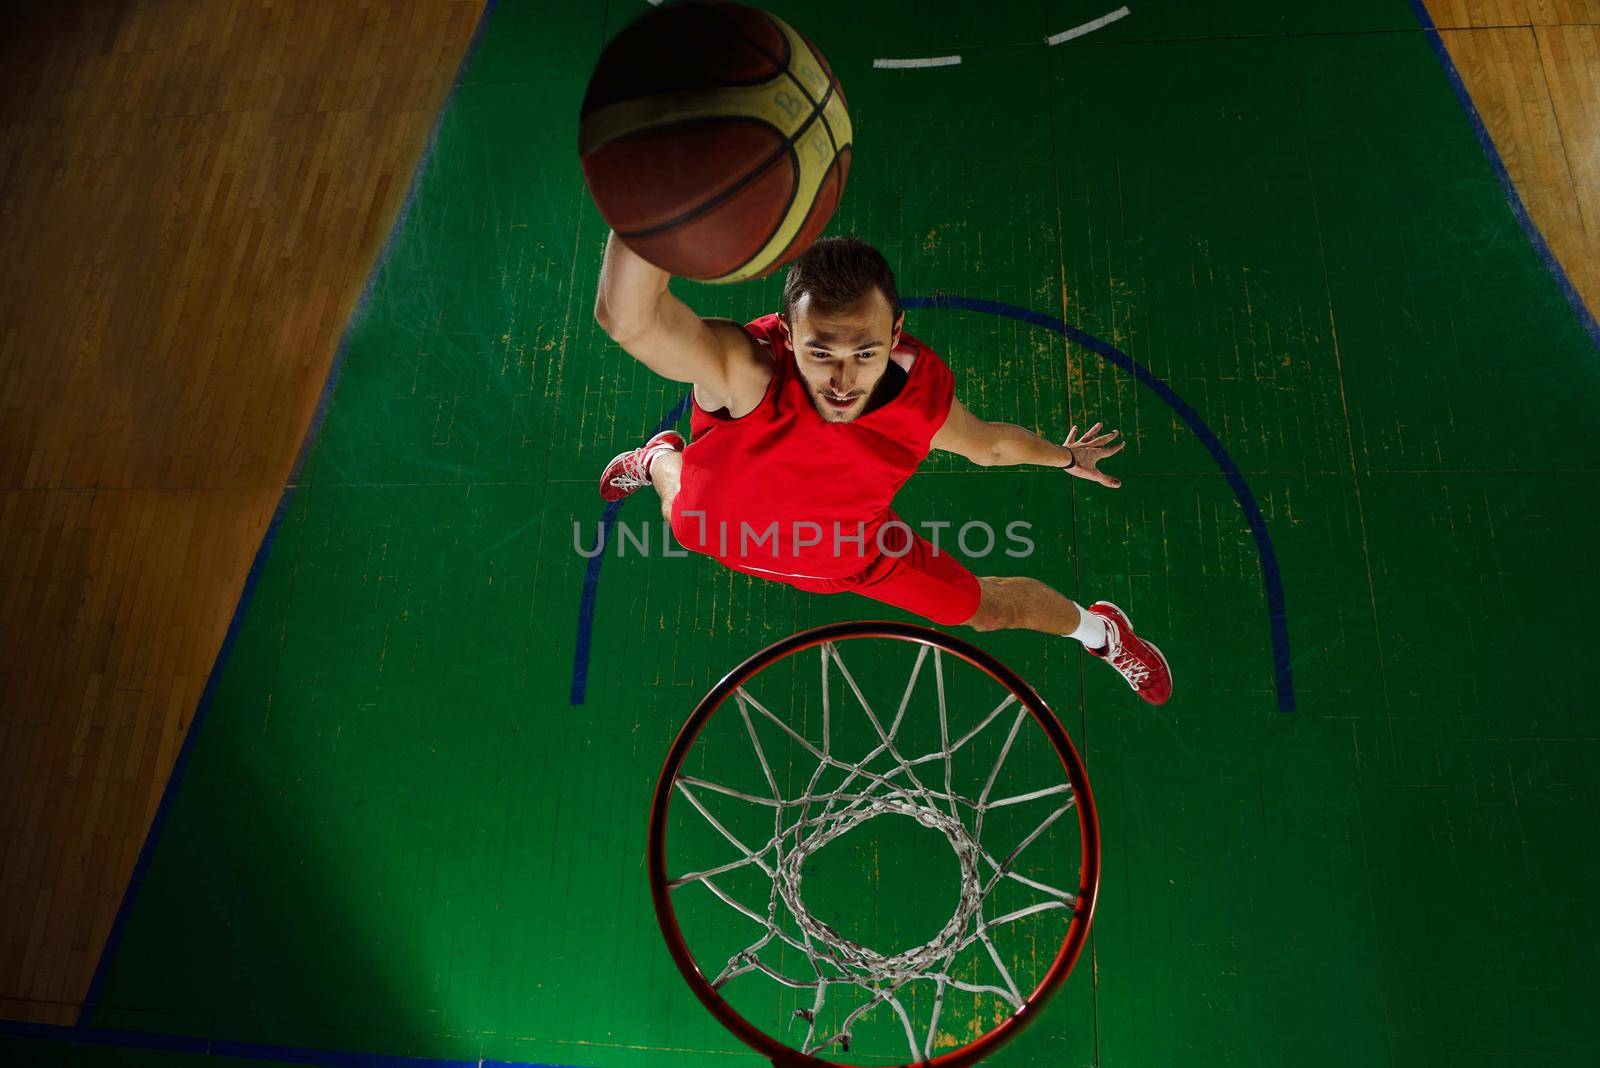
789	772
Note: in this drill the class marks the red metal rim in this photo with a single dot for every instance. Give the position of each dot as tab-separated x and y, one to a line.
1088	825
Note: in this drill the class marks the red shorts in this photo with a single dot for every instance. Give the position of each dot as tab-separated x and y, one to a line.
928	583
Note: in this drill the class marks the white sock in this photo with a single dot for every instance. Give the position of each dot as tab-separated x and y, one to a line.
650	464
1091	630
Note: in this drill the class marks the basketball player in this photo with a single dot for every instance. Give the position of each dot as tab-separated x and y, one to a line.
805	423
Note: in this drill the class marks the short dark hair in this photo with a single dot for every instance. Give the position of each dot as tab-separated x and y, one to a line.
837	271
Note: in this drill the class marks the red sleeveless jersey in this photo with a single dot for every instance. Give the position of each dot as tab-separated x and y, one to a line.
783	493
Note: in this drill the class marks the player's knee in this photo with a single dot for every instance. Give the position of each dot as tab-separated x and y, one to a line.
994	608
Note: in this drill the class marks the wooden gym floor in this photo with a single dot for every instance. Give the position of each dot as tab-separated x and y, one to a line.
195	197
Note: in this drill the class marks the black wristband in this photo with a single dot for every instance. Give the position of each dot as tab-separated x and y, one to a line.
1073	456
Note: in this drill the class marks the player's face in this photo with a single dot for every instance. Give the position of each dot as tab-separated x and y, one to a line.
842	353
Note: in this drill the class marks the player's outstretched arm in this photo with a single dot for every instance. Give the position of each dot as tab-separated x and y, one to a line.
1006	444
638	312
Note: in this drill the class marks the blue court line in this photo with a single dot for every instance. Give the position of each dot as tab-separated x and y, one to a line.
1277	613
249	1051
591	575
1513	198
258	563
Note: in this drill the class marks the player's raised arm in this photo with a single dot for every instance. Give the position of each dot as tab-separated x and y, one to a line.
1005	444
638	311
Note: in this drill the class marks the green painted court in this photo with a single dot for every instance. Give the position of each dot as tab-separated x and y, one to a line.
412	821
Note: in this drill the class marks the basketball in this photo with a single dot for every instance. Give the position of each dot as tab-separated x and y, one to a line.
714	140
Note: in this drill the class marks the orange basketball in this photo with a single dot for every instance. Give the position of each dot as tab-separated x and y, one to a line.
714	140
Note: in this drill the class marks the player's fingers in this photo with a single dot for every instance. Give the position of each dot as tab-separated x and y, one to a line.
1112	450
1092	431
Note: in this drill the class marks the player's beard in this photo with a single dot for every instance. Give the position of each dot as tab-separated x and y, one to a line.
834	415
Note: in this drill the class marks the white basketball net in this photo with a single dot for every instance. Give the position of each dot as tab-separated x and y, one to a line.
801	825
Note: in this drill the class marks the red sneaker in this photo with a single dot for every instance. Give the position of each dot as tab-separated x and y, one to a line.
1135	659
630	471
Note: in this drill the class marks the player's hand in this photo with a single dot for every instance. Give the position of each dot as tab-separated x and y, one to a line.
1088	449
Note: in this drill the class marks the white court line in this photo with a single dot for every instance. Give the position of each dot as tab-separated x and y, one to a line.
1087	27
902	64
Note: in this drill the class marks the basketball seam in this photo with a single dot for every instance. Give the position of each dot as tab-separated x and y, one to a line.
833	173
788	205
799	233
586	109
786	67
820	107
832	140
781	62
807	93
784	149
819	115
788	148
589	108
749	176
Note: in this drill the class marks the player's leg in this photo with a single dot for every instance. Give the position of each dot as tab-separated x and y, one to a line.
1018	602
1103	628
937	587
658	462
666	473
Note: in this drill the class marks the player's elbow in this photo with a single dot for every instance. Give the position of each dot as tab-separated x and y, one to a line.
984	454
988	446
619	327
604	316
